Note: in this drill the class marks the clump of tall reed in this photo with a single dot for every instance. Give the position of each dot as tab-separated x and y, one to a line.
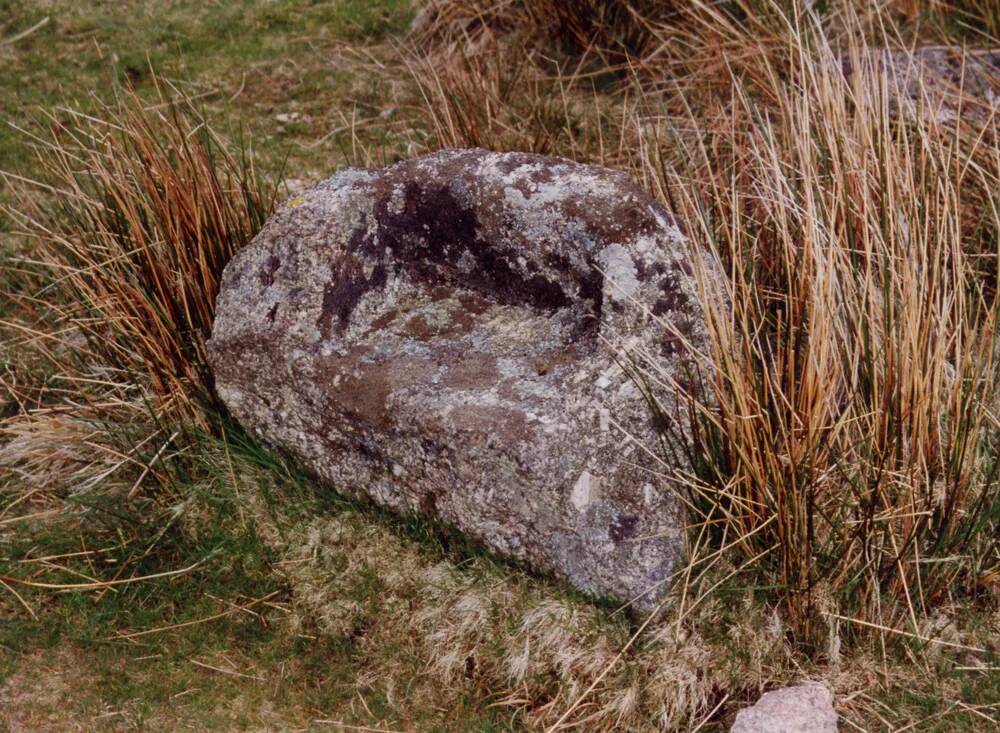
849	456
138	207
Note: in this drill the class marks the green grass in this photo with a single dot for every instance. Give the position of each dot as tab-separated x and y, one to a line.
268	58
247	63
200	514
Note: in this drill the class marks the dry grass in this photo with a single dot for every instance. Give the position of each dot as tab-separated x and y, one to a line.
500	636
604	31
145	205
851	448
497	97
396	634
48	451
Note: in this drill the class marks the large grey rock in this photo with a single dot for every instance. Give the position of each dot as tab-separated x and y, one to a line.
806	708
441	336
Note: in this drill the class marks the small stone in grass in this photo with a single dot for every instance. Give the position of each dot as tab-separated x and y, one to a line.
805	708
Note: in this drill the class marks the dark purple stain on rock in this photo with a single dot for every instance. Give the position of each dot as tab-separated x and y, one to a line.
431	229
671	298
385	319
683	267
661	421
671	344
341	295
623	528
267	272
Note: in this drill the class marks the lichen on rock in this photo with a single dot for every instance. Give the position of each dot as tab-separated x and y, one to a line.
448	336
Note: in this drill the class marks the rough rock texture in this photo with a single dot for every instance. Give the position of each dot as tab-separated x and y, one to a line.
440	336
940	81
806	708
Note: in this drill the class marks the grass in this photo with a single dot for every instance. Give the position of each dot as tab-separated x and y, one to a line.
845	494
854	353
256	59
171	651
149	207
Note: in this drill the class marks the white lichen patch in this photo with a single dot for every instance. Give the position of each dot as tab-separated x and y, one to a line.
619	272
586	490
